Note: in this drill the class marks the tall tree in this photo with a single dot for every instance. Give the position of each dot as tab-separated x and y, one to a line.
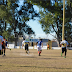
51	13
25	14
6	17
14	18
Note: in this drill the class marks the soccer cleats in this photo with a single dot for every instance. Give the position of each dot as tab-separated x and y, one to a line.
61	54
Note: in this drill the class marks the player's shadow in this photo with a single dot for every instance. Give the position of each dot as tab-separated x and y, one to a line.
44	67
56	56
0	65
32	52
33	57
63	68
21	57
16	52
34	66
47	58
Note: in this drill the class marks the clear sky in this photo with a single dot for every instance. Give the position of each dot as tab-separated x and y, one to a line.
35	25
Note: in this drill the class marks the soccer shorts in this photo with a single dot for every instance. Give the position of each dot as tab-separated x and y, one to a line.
0	52
26	47
64	49
39	48
3	47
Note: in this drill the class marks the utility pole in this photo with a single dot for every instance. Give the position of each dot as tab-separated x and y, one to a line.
63	19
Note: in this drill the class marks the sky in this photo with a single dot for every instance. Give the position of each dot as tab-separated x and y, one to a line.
36	27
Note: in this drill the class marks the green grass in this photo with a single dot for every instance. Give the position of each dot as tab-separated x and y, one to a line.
16	60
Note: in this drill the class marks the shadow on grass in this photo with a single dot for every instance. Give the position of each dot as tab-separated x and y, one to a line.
15	52
44	67
48	58
33	52
52	56
0	65
63	68
56	56
19	52
45	58
34	66
21	57
33	57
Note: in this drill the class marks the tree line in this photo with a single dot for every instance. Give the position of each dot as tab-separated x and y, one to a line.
51	17
14	18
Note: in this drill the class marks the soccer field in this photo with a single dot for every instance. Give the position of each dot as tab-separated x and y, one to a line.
17	60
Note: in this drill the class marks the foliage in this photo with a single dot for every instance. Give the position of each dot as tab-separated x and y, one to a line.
13	18
51	17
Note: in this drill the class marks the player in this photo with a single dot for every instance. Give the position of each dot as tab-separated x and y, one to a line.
64	45
1	40
38	45
25	43
3	47
47	46
6	44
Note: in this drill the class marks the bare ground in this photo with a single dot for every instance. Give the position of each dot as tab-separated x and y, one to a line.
17	60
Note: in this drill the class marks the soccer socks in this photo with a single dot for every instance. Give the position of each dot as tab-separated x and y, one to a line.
61	54
64	56
0	52
4	51
40	52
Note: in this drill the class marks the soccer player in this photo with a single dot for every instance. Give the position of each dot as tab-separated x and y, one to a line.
3	47
1	40
6	44
38	45
25	43
47	46
64	45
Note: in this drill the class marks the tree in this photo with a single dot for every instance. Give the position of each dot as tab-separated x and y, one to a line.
6	18
14	20
26	13
51	17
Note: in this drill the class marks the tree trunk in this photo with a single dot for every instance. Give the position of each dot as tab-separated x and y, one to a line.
16	39
58	41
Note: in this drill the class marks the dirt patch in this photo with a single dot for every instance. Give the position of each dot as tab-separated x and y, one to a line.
17	60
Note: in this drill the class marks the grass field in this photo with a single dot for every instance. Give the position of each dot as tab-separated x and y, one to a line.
17	60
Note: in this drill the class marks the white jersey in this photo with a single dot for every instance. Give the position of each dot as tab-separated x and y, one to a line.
25	42
64	44
1	40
